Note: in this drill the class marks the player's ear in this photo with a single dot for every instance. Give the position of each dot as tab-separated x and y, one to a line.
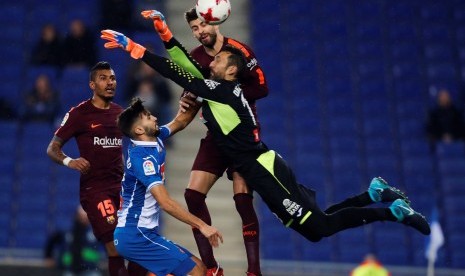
231	70
139	130
92	85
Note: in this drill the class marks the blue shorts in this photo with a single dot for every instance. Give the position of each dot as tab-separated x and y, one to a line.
152	251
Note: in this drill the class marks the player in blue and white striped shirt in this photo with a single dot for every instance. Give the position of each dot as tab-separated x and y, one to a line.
143	195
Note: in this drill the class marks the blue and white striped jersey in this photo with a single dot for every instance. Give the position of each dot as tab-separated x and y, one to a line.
145	168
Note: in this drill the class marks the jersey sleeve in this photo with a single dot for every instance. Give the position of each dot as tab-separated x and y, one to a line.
147	170
69	125
253	84
165	133
169	69
179	55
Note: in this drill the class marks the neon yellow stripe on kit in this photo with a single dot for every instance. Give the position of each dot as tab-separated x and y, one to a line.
267	161
305	217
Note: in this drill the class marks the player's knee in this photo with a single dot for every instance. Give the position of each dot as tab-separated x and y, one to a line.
111	249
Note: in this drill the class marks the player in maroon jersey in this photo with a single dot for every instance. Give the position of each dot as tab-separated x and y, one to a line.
93	124
210	163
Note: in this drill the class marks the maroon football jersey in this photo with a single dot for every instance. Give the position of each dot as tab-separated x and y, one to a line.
253	84
99	141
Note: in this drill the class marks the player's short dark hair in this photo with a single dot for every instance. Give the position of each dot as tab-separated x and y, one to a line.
190	15
129	116
101	65
237	59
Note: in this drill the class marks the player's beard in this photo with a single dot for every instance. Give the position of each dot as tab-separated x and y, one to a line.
152	131
211	42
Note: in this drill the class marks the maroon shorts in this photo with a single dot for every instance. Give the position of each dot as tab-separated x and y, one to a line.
101	208
210	159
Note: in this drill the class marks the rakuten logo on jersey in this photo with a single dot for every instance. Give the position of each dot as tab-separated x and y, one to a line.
106	142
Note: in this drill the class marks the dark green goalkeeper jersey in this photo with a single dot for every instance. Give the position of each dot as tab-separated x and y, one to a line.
225	111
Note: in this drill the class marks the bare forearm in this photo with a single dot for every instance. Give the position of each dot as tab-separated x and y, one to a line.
176	210
55	152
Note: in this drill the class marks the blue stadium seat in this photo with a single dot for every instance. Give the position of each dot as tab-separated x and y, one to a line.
439	52
31	230
409	127
379	145
44	14
457	251
13	33
370	30
339	88
373	89
391	243
460	34
451	166
446	150
441	71
421	186
29	201
435	32
339	67
411	105
353	244
404	51
321	251
344	145
415	147
382	165
370	49
453	184
5	221
406	70
374	108
342	126
8	139
34	71
377	127
454	204
401	11
370	69
13	13
417	165
435	12
340	107
454	224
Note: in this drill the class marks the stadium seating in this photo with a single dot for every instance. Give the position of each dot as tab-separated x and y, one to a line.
368	126
349	87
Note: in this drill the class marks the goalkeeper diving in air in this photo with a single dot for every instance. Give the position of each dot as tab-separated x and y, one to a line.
228	116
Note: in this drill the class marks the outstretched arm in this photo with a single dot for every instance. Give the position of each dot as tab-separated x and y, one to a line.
164	66
173	208
175	49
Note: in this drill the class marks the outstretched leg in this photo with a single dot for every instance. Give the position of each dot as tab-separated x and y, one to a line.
325	225
378	191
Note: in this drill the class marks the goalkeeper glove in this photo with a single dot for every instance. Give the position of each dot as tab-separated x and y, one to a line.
160	24
117	39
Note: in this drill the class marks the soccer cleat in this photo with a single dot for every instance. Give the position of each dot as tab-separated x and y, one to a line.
406	215
216	271
381	191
